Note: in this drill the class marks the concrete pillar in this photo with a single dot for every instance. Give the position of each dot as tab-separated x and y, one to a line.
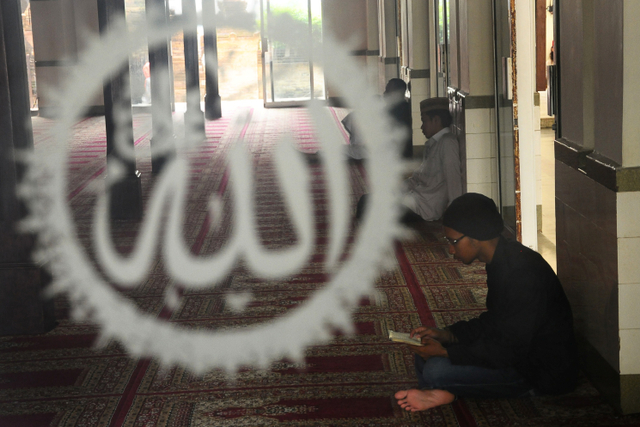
389	57
161	107
193	117
527	119
598	190
126	194
346	22
476	127
61	30
588	69
631	84
213	102
373	44
417	70
628	205
22	308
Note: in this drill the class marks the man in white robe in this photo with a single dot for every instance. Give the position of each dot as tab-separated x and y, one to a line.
438	180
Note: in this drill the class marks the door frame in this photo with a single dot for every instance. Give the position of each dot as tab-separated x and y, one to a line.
265	53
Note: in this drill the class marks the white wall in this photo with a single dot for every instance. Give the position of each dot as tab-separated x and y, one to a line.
482	166
628	206
527	118
628	203
61	30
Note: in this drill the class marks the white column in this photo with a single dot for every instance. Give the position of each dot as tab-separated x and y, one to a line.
419	62
388	44
433	53
525	69
373	45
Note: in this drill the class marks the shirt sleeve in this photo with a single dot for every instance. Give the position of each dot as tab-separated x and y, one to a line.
416	179
468	331
504	335
409	184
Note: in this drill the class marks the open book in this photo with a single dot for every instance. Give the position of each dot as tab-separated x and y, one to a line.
403	338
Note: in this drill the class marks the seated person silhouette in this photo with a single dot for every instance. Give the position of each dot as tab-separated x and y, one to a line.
397	107
438	179
522	345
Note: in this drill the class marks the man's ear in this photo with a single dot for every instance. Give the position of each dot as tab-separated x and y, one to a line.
437	120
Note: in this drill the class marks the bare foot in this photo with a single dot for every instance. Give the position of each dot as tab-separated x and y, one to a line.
420	400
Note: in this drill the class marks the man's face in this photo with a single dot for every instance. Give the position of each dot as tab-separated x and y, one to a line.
430	126
463	248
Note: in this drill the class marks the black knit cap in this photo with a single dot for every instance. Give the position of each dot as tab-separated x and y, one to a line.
474	215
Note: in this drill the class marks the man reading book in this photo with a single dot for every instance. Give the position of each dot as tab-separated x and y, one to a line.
523	344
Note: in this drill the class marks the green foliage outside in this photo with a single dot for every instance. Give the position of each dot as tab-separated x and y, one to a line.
301	18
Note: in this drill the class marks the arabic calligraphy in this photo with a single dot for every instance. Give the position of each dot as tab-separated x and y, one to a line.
201	350
196	272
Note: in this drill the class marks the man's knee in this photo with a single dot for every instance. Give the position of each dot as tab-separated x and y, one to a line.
436	372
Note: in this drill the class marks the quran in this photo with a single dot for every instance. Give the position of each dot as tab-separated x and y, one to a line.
403	338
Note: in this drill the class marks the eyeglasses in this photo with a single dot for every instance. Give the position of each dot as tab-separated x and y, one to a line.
454	242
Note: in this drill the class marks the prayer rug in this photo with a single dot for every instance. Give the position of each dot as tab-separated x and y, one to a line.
63	379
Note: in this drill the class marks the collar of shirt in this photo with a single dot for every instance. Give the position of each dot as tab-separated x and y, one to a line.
437	137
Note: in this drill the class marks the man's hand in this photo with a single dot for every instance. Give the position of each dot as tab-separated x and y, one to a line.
429	348
444	336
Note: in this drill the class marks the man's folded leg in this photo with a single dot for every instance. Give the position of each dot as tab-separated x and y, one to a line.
438	373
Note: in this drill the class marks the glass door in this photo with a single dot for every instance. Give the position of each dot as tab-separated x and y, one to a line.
504	113
291	33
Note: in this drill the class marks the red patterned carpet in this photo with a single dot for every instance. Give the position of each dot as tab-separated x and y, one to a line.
61	379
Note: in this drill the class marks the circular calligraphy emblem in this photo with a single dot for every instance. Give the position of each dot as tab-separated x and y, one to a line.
311	323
